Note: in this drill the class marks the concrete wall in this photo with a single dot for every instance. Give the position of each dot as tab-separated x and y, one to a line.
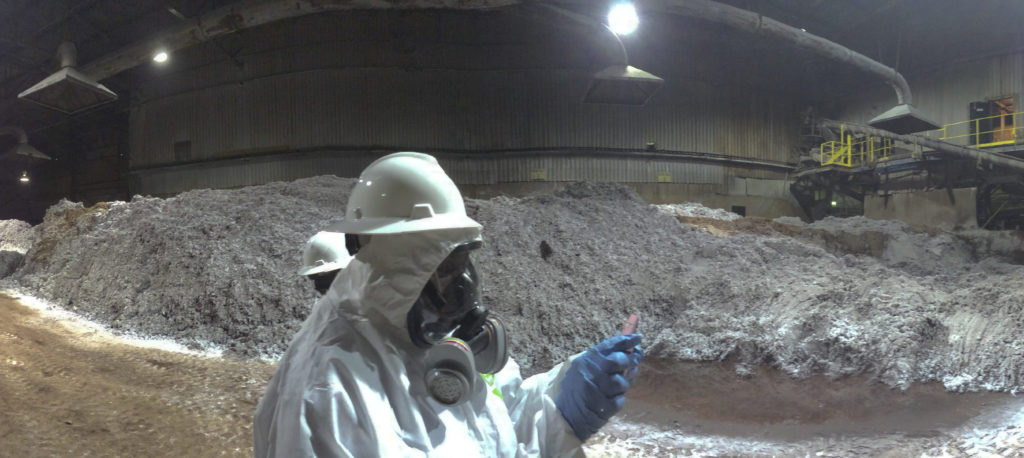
926	208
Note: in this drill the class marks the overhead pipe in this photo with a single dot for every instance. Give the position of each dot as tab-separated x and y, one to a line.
902	119
252	13
758	24
998	159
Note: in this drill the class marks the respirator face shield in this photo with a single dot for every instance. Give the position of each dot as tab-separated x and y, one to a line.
460	336
449	301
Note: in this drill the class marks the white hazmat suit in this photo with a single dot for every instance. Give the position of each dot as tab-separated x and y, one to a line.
351	383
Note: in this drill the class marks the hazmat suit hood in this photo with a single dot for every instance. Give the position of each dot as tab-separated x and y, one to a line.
387	275
352	381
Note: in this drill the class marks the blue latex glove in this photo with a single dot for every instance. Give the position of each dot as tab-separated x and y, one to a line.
595	385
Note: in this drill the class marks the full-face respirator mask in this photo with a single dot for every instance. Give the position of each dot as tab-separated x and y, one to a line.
450	322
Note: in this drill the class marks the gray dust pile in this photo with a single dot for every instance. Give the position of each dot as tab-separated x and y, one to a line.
206	266
16	237
698	210
564	270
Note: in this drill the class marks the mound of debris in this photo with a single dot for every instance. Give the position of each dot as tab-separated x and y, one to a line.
16	237
697	210
564	270
205	266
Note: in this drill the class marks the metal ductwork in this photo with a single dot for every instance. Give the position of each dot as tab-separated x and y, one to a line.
21	147
1002	160
68	90
622	85
903	119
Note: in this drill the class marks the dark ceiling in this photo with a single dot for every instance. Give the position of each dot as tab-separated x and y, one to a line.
913	35
31	30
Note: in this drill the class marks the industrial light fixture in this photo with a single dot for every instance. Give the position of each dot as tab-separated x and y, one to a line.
619	84
622	18
622	84
160	57
21	147
24	177
68	90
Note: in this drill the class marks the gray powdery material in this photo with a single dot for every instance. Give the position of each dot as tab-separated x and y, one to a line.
753	299
16	235
899	246
698	210
563	271
10	261
205	266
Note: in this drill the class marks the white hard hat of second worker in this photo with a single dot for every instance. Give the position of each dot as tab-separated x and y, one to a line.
401	193
324	252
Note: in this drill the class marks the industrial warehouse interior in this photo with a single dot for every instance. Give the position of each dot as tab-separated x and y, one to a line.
814	209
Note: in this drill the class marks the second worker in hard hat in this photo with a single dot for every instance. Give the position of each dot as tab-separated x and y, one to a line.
323	257
400	358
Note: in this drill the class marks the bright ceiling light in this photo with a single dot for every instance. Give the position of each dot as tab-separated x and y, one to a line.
24	177
160	57
622	18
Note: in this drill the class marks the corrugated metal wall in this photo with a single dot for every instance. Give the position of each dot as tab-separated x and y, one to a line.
476	169
434	109
944	94
309	87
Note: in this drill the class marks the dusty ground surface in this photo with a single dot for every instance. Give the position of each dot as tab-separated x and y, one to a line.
67	389
840	299
704	409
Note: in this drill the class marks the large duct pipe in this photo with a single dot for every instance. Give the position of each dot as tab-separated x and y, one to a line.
941	146
252	13
761	25
68	54
902	119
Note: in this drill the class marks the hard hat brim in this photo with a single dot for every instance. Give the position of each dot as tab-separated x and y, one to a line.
378	226
305	271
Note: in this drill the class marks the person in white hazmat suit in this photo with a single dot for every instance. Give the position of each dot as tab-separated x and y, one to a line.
389	361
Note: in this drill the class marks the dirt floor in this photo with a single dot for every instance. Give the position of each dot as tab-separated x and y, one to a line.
71	390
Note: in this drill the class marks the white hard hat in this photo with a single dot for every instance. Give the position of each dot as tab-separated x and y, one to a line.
404	192
324	252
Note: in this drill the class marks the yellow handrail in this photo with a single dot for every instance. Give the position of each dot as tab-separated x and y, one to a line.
848	151
843	153
1006	134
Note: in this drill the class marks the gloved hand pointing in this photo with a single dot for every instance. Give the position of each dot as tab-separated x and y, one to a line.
595	385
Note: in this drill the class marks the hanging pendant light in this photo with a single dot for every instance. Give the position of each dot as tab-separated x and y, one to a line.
24	177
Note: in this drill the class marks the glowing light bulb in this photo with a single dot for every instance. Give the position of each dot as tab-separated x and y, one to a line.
622	18
160	57
24	177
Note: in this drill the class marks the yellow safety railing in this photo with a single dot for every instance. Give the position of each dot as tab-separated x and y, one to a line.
849	150
998	130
